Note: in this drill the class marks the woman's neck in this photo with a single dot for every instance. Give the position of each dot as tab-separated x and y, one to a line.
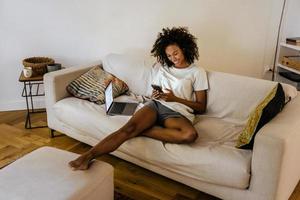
182	66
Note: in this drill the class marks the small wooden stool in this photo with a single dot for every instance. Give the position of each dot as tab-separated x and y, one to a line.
45	174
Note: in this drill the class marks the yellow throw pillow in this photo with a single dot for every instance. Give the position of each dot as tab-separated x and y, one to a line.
91	85
271	105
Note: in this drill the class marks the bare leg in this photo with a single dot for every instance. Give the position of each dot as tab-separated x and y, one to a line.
140	121
177	130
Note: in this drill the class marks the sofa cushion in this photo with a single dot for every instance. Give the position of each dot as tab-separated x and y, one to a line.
213	158
233	97
91	85
136	71
266	110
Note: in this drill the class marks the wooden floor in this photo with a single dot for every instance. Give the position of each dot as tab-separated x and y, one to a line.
130	180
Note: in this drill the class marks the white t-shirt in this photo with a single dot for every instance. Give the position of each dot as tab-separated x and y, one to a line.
183	82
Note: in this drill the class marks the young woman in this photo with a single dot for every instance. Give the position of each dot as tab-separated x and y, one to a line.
183	93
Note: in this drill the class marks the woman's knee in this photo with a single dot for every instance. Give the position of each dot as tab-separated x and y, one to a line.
189	136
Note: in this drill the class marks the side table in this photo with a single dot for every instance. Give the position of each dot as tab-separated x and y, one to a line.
29	92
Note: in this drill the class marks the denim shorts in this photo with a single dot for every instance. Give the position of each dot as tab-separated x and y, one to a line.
162	111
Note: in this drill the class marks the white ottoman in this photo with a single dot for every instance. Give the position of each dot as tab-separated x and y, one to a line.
45	174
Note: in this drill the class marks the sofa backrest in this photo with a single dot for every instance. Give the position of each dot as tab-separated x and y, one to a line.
233	97
135	71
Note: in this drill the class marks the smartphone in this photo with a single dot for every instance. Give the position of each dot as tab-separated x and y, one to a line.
156	87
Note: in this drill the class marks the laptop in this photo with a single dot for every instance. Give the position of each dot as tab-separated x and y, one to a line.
117	108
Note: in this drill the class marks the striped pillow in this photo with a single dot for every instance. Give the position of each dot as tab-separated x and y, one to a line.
91	85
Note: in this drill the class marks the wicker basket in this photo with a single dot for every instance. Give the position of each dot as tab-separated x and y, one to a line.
38	64
292	61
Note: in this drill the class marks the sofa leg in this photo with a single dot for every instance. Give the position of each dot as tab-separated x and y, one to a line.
51	132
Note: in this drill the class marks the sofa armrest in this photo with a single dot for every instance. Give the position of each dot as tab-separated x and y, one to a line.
55	84
276	162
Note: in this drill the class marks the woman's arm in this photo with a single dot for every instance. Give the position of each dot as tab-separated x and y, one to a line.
199	106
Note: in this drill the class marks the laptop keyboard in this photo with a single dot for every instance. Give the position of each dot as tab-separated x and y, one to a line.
118	107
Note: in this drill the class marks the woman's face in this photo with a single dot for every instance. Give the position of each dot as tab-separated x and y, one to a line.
175	55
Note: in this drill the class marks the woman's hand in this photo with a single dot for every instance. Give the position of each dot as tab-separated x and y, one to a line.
156	94
168	96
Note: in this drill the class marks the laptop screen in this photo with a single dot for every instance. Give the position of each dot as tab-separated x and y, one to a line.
108	96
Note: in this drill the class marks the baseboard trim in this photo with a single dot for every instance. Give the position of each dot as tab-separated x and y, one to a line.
20	104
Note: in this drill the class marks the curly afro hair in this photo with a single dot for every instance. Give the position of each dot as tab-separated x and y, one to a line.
179	36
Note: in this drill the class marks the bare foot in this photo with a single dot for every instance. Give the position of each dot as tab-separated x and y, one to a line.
83	162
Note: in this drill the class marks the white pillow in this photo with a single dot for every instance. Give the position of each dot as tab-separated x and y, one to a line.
135	71
289	91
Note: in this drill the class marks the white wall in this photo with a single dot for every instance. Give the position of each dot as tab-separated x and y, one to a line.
236	36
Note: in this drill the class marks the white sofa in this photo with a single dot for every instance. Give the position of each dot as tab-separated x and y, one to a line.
212	164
